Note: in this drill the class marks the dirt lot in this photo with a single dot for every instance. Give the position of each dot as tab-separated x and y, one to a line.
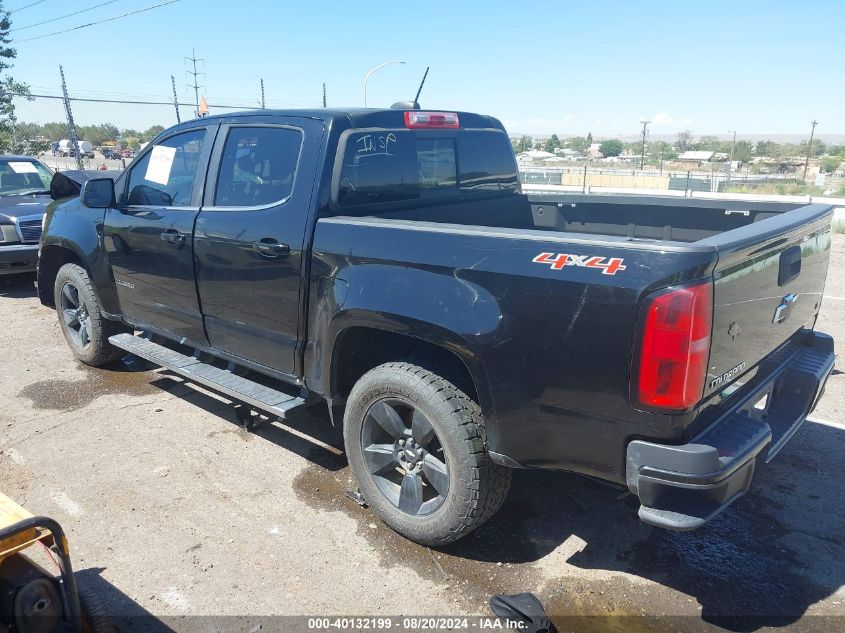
173	510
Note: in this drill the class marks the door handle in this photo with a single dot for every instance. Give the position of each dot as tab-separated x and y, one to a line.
270	248
172	236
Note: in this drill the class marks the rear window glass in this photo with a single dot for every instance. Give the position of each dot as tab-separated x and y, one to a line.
402	165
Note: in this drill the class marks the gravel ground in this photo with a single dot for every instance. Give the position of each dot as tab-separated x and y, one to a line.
172	510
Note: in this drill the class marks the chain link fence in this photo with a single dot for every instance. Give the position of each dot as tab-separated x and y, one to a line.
588	179
108	131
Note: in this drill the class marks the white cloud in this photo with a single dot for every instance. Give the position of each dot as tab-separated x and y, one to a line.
660	119
569	117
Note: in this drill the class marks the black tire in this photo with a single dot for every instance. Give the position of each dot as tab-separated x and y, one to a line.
85	328
475	488
95	615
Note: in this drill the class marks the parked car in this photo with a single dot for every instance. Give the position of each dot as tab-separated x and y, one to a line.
385	262
24	196
109	153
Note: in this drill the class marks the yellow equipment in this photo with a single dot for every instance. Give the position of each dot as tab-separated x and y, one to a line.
33	600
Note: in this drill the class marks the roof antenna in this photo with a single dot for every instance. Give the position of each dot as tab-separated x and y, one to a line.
422	83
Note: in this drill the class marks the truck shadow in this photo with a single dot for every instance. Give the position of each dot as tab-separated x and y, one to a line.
309	434
761	563
18	286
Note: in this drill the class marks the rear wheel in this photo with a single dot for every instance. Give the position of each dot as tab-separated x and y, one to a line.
417	448
85	328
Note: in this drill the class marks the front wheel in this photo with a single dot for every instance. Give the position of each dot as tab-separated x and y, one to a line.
417	447
85	327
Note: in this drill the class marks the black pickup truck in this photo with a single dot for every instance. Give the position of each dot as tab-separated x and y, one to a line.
386	262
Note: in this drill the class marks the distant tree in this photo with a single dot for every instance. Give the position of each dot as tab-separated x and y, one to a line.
661	150
830	164
589	138
552	143
684	140
98	134
8	86
521	144
153	131
768	149
742	151
55	131
710	143
577	143
611	147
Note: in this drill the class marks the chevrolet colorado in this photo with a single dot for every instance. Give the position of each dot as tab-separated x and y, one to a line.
386	262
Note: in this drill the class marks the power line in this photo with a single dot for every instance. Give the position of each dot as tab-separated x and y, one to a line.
25	6
82	26
62	17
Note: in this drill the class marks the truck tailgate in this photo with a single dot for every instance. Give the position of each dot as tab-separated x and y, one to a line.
768	284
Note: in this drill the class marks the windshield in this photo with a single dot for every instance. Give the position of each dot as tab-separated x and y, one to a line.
22	176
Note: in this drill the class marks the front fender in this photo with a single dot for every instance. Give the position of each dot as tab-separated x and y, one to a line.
71	226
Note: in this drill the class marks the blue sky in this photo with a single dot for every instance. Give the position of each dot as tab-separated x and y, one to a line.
542	66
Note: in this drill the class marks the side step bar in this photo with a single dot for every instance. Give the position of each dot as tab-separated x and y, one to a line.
239	388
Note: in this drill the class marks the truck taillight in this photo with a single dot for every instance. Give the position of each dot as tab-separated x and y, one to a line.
675	347
416	119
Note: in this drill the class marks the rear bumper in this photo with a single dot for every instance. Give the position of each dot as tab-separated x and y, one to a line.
683	487
18	258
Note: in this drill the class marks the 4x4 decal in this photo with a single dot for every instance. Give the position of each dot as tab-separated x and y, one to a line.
608	265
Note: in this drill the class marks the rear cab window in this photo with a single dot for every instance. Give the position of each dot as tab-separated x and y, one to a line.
404	166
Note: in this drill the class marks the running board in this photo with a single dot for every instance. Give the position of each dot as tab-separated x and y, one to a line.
239	388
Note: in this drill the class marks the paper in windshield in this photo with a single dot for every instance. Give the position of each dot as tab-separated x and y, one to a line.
22	167
161	160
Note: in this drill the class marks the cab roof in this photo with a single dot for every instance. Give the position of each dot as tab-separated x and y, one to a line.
353	117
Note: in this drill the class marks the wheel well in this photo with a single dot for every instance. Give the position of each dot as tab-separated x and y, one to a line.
360	349
51	259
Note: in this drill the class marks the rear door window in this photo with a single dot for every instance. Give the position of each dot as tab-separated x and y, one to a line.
258	166
404	165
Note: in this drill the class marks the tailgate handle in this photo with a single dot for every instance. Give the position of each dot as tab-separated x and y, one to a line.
790	265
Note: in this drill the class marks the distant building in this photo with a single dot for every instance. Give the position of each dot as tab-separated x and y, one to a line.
698	156
566	152
594	152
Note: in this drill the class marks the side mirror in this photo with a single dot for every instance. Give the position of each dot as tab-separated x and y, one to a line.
98	193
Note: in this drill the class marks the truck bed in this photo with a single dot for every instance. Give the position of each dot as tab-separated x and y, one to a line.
633	217
527	284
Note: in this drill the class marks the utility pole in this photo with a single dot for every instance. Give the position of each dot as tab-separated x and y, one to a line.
196	86
262	94
814	123
731	159
324	94
175	99
642	152
74	141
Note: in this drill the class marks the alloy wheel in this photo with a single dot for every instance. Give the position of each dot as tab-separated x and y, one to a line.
404	456
75	315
